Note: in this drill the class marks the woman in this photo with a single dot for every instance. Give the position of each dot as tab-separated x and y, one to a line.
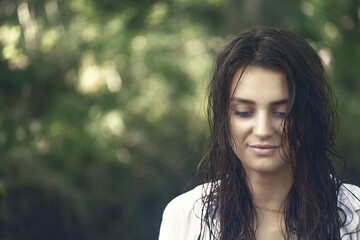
269	167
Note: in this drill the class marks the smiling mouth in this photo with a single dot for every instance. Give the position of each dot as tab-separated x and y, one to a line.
263	150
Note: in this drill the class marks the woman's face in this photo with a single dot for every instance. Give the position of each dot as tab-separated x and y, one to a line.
259	105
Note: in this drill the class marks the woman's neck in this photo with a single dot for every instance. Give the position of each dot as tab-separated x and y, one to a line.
270	190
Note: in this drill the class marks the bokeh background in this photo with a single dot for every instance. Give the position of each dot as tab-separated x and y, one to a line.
102	104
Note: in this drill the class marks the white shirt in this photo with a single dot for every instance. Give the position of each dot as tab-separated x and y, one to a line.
182	216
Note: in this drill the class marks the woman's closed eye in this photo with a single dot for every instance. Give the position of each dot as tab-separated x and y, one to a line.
244	113
280	114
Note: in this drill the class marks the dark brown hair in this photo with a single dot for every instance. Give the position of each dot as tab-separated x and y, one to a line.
311	210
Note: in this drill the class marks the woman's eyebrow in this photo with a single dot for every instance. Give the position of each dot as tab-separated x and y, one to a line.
280	102
242	100
251	102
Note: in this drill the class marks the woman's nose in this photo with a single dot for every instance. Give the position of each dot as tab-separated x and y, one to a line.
262	125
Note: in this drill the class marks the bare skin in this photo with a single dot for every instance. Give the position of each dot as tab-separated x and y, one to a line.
270	193
270	227
258	108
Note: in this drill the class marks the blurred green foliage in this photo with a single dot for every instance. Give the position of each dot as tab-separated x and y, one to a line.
102	104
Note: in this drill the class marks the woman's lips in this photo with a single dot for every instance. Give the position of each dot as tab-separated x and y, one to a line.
263	150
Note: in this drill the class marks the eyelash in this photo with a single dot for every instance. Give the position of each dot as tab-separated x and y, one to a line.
250	113
281	114
243	114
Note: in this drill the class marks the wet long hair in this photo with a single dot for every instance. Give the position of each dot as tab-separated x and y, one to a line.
310	129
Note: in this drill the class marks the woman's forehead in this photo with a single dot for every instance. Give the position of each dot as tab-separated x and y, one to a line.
256	83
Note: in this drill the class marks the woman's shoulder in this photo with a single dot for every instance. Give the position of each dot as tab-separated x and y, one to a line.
349	193
188	201
349	203
182	216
